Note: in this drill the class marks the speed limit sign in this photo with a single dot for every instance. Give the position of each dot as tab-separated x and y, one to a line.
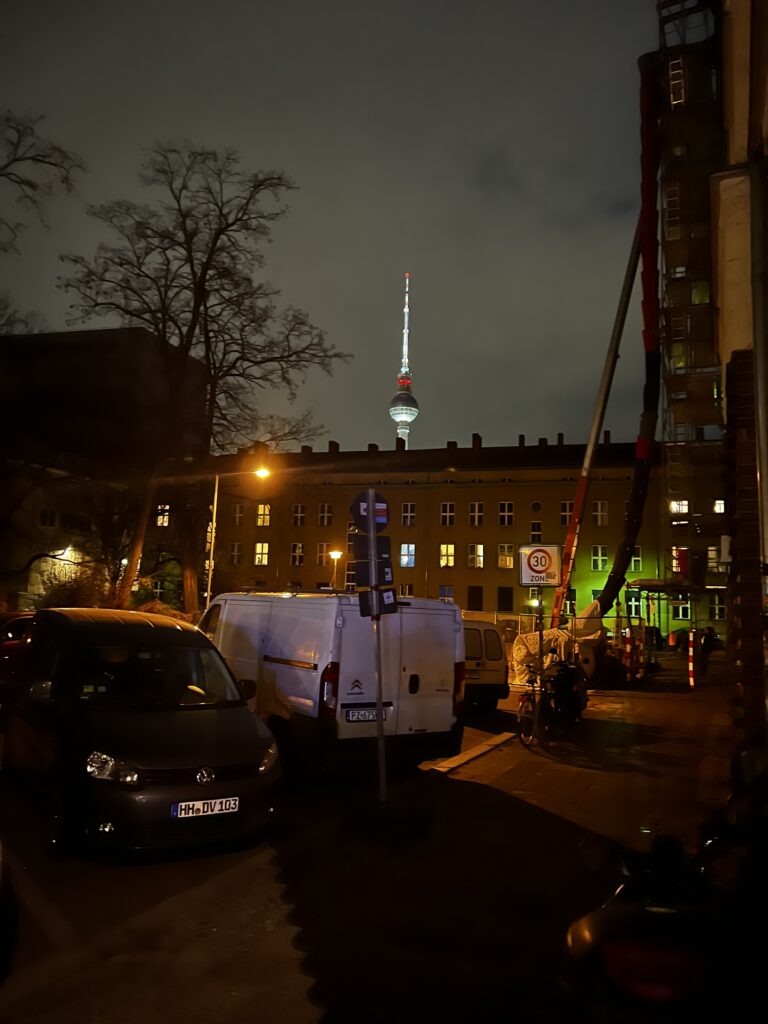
540	565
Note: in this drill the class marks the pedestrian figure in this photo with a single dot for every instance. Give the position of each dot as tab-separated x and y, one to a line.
706	646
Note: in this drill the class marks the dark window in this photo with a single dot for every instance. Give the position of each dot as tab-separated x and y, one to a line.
506	599
209	620
493	649
473	647
474	599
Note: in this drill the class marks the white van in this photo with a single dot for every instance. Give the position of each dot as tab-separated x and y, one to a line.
487	669
314	654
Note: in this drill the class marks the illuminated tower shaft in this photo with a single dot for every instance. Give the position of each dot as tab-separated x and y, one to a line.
404	408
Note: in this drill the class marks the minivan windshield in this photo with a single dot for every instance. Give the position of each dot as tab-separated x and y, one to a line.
143	676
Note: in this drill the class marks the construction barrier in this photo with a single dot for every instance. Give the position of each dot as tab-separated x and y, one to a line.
692	658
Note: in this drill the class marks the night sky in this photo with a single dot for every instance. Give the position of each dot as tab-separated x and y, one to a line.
491	148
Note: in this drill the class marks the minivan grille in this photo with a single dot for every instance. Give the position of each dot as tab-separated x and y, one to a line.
179	776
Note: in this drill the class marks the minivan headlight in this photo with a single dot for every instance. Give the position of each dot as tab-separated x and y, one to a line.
102	766
269	758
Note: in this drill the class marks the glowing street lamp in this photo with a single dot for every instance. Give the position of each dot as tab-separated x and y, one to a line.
335	556
262	472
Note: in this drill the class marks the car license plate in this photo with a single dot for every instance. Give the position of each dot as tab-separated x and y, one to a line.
194	808
365	715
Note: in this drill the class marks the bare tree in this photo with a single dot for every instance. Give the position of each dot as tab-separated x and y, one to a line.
17	321
185	268
32	170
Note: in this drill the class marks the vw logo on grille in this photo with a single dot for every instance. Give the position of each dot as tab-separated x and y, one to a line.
205	775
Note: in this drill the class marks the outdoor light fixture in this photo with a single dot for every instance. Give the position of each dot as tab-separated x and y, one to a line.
335	555
262	473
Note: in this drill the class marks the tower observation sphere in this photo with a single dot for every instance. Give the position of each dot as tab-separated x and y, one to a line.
404	408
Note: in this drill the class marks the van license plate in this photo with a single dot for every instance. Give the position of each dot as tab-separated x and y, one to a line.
194	808
365	715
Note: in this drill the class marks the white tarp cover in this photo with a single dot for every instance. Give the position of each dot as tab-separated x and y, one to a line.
585	631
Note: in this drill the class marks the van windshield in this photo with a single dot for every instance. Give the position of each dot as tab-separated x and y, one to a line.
143	676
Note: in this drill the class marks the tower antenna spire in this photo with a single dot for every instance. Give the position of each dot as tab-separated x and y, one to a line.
404	408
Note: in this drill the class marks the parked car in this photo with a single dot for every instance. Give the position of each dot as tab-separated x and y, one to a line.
14	626
135	734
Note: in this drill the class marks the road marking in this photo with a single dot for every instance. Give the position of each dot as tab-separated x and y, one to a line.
469	755
57	929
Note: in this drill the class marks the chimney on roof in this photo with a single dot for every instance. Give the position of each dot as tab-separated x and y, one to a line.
521	440
606	437
306	449
373	447
477	441
560	438
399	444
333	447
543	441
451	445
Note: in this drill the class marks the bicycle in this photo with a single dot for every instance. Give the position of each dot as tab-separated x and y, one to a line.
535	712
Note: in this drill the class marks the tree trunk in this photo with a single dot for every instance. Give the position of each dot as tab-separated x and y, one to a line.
125	584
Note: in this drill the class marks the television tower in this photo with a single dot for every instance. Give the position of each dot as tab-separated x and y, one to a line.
404	408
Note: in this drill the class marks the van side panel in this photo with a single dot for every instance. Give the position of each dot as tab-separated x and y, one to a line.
432	642
299	644
239	636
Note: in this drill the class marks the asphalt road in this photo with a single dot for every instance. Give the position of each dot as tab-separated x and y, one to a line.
450	903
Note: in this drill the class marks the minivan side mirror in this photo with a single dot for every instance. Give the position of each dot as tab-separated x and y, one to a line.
247	688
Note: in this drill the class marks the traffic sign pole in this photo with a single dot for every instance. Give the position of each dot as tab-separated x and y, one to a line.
373	570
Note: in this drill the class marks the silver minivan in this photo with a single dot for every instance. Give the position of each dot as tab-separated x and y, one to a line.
487	671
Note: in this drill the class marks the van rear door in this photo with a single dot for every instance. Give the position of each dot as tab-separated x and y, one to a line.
356	715
431	636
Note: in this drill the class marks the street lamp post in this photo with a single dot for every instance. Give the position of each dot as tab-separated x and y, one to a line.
335	556
262	473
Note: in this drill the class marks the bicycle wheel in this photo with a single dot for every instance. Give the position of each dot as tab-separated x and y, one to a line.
526	713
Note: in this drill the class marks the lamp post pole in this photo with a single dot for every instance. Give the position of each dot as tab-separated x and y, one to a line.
213	539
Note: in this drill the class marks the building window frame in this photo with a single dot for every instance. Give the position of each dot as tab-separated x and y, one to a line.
261	552
263	514
408	513
506	513
476	513
297	552
475	555
447	556
599	561
447	513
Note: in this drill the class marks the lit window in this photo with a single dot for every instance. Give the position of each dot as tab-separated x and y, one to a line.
475	556
408	514
476	513
681	608
262	515
680	560
566	511
163	517
713	560
634	605
297	553
325	514
298	515
636	563
407	556
405	590
506	513
447	556
235	553
322	552
237	514
261	553
719	505
599	513
447	513
536	533
679	507
599	557
506	556
717	604
699	297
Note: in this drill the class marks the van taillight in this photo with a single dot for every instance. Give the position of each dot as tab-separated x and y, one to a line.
458	683
329	690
